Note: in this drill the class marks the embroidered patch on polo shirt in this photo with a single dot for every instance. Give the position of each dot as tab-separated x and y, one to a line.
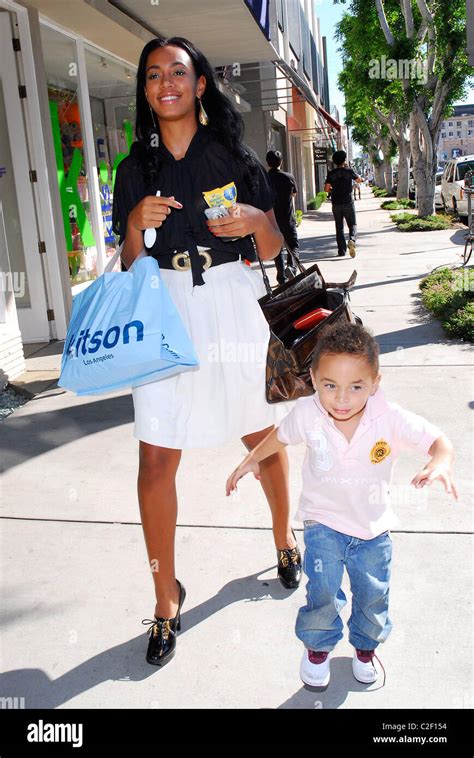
318	450
380	451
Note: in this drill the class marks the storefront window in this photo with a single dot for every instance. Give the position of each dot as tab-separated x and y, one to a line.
111	87
112	101
67	127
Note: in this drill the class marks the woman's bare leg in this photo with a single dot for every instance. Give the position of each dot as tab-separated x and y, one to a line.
158	509
274	472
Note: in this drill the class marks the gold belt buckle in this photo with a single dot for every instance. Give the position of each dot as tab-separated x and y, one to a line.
185	257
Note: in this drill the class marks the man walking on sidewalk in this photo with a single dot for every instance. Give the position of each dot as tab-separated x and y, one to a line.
284	190
339	183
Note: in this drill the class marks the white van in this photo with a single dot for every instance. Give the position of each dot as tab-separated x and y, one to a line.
437	196
453	196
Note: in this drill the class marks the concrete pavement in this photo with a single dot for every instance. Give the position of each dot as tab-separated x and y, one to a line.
74	561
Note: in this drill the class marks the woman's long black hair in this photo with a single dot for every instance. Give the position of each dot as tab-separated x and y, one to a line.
225	122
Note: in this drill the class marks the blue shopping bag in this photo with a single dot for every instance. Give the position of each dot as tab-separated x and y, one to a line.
124	331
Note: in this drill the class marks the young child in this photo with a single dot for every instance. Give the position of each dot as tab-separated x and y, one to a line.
353	437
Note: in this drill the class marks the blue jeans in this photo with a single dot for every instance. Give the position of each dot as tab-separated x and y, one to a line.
318	624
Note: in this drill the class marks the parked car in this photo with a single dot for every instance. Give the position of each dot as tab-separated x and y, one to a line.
438	201
411	186
395	183
452	184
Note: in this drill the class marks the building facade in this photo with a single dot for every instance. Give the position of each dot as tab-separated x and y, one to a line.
457	134
67	100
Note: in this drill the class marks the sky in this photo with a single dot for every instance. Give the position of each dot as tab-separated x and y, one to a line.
329	15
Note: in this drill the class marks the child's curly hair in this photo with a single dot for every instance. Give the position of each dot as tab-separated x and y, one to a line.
346	338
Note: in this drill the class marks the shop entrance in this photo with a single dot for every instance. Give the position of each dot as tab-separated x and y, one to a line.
21	265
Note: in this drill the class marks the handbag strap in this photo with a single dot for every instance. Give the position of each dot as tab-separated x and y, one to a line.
264	273
265	277
296	256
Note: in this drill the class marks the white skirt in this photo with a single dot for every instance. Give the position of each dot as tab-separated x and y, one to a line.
224	398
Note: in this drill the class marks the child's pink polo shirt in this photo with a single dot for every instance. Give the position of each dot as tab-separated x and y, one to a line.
346	484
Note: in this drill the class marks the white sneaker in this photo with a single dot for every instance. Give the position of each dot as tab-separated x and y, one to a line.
352	248
363	666
314	669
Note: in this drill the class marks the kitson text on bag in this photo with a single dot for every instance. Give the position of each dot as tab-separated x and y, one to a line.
110	339
91	344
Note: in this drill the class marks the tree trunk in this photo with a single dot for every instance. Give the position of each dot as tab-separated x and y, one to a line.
379	175
373	150
425	163
398	129
403	168
378	167
388	174
425	187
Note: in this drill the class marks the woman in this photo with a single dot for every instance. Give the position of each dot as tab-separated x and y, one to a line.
214	291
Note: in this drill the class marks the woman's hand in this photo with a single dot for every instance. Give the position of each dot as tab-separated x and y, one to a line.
240	471
151	212
242	220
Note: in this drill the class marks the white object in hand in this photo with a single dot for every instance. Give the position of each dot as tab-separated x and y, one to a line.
150	234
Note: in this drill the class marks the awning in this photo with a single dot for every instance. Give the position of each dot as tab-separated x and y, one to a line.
330	119
300	84
234	28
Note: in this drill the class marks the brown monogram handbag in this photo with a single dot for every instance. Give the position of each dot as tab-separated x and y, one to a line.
290	350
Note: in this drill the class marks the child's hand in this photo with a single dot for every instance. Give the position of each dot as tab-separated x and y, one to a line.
240	471
432	471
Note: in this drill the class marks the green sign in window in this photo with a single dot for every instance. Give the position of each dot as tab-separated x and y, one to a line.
72	205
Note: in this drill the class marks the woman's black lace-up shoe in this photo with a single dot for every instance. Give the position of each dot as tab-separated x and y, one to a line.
162	640
289	566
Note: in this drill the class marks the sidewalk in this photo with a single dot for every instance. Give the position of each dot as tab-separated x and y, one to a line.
76	578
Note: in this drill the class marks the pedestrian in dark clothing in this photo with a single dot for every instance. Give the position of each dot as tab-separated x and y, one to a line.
339	182
283	187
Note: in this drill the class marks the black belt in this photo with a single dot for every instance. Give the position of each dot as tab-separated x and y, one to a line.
181	261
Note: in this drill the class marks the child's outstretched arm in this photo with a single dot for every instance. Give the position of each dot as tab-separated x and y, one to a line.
439	467
268	446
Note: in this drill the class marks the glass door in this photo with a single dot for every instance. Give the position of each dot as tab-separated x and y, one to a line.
67	126
17	199
111	87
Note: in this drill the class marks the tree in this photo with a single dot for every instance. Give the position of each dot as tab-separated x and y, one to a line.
362	46
369	131
398	128
369	142
427	37
437	31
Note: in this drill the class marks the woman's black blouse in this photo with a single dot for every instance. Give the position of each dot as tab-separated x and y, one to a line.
207	165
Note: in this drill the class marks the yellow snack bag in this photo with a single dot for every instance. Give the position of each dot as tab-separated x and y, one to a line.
225	196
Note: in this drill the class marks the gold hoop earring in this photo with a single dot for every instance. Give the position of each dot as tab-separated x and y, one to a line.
203	117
